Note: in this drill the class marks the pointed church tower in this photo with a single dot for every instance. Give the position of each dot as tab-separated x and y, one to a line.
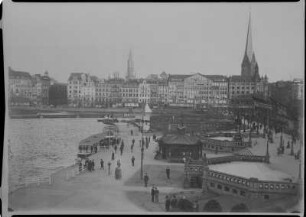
130	67
249	66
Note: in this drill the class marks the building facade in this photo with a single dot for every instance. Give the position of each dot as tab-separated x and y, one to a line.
20	85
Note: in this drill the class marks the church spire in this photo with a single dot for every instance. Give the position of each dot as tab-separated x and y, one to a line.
249	66
130	66
249	46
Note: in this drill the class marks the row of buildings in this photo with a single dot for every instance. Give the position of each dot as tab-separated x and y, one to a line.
27	89
196	89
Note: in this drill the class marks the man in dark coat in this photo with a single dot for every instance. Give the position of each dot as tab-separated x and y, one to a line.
113	156
168	172
146	179
132	147
102	164
109	169
133	160
152	193
167	203
93	164
173	202
121	149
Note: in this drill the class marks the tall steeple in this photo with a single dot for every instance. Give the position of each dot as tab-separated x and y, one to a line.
130	67
249	46
249	66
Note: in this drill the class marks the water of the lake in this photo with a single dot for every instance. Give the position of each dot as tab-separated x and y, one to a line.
41	147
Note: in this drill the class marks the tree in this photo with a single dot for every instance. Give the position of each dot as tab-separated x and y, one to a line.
212	206
240	208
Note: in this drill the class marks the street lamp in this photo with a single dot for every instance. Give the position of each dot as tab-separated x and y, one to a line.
142	149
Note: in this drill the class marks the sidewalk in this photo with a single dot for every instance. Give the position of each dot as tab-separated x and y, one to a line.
90	191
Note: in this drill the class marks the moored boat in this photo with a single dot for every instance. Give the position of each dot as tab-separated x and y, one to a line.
108	119
97	142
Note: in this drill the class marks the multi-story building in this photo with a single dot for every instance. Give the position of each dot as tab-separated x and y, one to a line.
153	91
40	89
218	92
113	90
176	89
249	82
162	91
74	90
196	89
20	85
144	92
129	93
82	89
88	90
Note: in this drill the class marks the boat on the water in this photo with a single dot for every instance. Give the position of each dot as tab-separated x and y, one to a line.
99	141
108	119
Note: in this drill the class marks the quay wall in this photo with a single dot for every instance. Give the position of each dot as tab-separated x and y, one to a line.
247	188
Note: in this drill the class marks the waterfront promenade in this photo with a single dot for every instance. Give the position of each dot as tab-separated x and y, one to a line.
96	192
90	191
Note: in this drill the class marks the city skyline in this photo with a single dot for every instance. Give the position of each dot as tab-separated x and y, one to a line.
61	46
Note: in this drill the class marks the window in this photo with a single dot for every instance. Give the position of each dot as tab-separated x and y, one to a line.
219	186
242	193
234	191
226	188
212	184
266	197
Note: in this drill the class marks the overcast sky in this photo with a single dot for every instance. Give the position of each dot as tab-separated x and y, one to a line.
178	38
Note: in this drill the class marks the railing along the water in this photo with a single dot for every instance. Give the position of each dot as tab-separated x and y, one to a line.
38	180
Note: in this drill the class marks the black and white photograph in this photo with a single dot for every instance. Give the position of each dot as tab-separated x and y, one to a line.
153	108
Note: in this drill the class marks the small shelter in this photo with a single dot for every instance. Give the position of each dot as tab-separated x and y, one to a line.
178	146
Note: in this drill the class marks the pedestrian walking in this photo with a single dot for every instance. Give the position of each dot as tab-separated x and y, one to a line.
152	193
156	194
167	203
93	165
168	172
133	160
146	179
118	163
115	148
113	156
109	167
102	164
89	165
132	147
133	141
80	166
173	202
121	150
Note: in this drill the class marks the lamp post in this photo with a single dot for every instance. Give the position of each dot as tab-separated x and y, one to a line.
142	150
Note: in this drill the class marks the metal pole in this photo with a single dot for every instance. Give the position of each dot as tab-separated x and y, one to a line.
142	149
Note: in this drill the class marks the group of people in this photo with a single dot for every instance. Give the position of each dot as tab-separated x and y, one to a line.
154	194
89	165
172	203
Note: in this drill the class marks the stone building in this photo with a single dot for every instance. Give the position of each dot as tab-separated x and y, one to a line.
20	85
129	93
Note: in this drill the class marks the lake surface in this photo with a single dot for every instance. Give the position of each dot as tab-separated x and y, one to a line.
41	147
